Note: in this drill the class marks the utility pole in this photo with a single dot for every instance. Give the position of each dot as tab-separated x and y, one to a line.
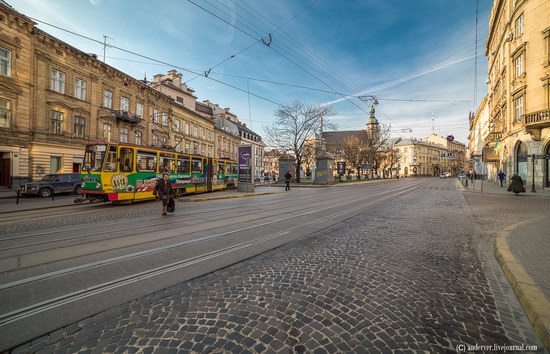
104	46
433	123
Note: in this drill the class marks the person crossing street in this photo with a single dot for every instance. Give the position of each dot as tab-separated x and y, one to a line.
288	177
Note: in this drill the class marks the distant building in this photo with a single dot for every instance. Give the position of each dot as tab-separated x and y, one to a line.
456	152
423	158
247	137
271	163
484	160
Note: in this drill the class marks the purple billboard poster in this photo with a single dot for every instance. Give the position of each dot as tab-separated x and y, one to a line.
245	162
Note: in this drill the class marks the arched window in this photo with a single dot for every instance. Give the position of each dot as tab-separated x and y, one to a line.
521	160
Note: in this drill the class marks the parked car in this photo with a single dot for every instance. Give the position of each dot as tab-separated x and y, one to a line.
53	183
442	175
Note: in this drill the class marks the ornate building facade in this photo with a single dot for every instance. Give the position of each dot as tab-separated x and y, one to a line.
54	99
518	52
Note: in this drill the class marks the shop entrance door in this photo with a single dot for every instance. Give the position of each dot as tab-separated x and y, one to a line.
5	173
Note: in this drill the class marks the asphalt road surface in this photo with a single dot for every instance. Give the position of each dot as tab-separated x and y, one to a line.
397	265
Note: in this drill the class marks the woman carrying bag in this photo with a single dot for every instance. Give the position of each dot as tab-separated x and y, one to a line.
163	191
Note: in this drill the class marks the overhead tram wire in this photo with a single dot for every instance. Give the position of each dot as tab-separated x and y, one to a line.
281	54
250	46
284	56
155	60
306	51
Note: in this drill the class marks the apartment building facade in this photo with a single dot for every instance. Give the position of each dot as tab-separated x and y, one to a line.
518	53
422	158
54	99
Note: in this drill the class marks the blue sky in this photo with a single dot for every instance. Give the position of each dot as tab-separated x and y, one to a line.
419	50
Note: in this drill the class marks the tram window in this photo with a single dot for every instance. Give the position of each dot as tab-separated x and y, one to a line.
167	163
110	159
146	161
126	160
221	168
183	164
234	170
93	157
196	166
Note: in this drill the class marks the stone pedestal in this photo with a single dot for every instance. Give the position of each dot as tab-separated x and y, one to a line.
324	168
286	163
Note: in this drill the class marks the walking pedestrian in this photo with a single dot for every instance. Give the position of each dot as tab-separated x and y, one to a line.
516	185
501	176
288	176
163	191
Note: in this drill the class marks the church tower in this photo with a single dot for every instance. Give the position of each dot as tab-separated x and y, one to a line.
372	122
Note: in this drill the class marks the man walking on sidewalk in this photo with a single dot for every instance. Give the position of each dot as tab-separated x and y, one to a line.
501	177
288	176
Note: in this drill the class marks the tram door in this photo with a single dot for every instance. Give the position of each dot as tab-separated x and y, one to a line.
209	174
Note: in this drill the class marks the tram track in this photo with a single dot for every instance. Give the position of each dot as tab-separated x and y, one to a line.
56	302
125	228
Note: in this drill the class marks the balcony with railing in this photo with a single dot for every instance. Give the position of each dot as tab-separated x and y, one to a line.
535	122
540	119
125	116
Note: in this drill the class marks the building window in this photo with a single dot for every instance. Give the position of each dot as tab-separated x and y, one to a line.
5	113
108	99
164	118
519	26
178	125
107	132
79	124
186	148
56	122
139	109
80	89
204	134
5	62
137	138
155	116
196	132
518	63
58	81
518	108
156	140
55	164
124	104
187	128
123	135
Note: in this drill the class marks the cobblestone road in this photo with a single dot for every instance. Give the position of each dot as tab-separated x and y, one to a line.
411	276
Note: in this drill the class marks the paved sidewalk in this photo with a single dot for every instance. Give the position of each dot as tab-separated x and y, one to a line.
522	252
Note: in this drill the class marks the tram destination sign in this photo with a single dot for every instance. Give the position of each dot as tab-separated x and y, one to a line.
245	162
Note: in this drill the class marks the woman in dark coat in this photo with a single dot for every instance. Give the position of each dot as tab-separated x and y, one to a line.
163	190
516	185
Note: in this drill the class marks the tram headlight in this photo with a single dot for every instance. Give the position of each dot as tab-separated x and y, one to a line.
98	186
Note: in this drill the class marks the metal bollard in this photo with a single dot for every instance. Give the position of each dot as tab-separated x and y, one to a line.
17	200
53	193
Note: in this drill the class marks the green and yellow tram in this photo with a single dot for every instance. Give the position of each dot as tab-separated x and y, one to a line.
126	172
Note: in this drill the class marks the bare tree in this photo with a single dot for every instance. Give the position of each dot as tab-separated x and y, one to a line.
353	152
294	124
308	157
390	157
374	139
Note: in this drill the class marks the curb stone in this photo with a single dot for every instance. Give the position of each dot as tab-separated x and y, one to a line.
534	302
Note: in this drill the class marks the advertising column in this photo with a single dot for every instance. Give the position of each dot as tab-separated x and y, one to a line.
246	182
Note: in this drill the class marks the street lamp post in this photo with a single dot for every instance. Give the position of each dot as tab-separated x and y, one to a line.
533	180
